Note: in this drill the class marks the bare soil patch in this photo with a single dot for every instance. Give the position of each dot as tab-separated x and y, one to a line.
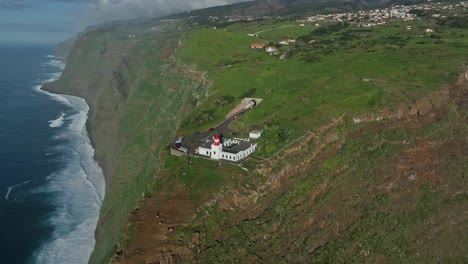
155	242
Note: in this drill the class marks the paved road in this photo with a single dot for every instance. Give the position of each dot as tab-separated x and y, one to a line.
196	140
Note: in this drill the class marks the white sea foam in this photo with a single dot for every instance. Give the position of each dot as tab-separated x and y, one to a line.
55	97
57	122
53	77
10	188
53	57
55	63
50	78
77	188
58	65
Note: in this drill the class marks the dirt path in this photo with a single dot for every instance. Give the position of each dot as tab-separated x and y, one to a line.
266	30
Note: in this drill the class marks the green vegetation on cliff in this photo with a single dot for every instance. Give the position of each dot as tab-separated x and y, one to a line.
360	158
138	96
378	175
347	71
165	91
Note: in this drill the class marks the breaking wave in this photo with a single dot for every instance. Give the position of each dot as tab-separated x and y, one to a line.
55	63
77	188
10	188
57	122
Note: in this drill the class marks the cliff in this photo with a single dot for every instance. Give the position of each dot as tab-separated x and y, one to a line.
91	71
63	49
137	96
360	159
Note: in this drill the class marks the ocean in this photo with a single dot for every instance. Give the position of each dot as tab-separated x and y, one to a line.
51	188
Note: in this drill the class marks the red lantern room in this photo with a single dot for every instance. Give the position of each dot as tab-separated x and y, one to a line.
216	140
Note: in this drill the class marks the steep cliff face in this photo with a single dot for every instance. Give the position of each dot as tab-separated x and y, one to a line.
97	72
63	49
137	96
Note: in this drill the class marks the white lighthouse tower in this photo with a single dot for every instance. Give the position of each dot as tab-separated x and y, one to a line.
216	148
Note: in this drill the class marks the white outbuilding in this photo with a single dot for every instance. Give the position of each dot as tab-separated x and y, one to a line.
255	134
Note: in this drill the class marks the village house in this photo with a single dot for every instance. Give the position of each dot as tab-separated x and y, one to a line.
287	41
271	50
257	45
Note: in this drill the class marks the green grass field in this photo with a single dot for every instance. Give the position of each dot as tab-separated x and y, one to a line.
353	207
349	71
321	80
343	209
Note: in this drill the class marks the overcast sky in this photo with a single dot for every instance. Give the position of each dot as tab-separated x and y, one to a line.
51	21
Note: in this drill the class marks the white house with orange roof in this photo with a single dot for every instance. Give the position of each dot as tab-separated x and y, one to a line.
257	45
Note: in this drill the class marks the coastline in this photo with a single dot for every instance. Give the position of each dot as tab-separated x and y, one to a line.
130	157
85	76
51	88
89	175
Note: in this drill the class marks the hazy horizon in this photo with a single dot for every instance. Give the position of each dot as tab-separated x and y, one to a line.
52	21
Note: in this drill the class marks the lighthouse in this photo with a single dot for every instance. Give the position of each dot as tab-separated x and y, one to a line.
231	150
216	148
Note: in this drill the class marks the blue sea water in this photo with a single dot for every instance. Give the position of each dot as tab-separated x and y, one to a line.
51	188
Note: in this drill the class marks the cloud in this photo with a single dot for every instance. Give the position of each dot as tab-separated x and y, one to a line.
106	10
13	4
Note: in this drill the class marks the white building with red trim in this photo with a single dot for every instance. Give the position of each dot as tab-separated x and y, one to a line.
257	45
232	150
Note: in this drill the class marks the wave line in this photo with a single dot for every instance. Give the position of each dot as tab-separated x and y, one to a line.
13	186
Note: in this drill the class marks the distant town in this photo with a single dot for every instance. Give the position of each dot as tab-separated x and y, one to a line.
361	18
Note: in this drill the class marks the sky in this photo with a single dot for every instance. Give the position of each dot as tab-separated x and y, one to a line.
52	21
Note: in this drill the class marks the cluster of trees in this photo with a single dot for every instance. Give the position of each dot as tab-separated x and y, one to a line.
224	100
323	31
454	22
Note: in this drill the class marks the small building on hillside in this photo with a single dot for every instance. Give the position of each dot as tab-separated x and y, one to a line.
233	150
271	50
257	45
255	134
287	41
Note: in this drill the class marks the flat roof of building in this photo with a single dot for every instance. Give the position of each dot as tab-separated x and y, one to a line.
234	149
243	145
207	144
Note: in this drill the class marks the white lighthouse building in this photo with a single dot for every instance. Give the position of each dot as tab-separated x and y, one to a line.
233	150
216	148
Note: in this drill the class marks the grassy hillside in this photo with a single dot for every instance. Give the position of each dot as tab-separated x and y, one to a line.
323	80
361	157
354	192
374	196
165	91
138	95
